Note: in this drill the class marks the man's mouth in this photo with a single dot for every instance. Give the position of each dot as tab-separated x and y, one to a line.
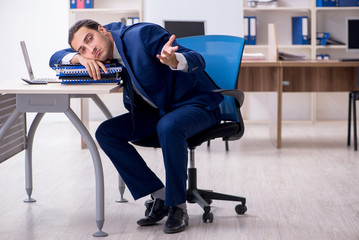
97	53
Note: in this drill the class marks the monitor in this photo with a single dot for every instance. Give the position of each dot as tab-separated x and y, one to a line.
352	32
185	28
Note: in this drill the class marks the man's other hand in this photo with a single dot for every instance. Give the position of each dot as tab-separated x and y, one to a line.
92	66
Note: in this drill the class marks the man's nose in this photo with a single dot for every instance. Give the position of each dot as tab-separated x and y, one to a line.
92	49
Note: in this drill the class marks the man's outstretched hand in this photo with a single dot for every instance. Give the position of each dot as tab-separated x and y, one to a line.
167	55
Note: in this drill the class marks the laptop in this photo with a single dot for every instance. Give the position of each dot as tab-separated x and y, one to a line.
32	79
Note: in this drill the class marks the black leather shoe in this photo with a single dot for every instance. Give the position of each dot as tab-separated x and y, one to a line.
177	220
157	213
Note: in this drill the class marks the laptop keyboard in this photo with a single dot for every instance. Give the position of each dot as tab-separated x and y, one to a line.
41	80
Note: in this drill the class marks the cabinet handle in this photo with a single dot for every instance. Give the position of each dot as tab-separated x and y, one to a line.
285	83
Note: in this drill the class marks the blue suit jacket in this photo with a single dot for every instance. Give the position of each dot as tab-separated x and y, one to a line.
167	89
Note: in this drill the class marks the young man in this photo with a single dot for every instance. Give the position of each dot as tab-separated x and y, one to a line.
166	92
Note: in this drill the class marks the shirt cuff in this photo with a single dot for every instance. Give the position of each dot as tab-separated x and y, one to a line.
67	58
182	63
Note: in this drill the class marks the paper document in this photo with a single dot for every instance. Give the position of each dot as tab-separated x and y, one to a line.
291	57
253	56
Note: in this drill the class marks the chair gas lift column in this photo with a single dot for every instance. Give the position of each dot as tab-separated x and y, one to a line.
353	97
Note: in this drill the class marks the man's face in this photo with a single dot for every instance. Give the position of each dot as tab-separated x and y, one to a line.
92	44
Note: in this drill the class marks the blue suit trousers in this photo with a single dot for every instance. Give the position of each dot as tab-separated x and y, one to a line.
173	128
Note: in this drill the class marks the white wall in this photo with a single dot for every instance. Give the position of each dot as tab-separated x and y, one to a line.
42	24
222	17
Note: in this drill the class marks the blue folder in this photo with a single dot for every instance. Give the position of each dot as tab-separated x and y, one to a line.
73	4
250	30
348	3
300	28
253	30
326	3
88	3
246	29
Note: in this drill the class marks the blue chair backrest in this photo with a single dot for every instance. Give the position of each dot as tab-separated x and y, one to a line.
223	55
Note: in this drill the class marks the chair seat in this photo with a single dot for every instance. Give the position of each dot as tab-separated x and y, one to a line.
223	130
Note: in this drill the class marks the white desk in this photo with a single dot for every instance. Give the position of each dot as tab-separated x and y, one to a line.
55	97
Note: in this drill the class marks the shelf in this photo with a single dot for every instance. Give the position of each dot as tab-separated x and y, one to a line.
295	46
279	46
336	8
256	46
300	9
331	47
104	10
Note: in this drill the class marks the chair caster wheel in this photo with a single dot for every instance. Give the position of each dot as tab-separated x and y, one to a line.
241	209
207	216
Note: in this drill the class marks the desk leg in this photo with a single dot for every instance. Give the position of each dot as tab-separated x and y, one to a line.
107	113
98	171
275	111
101	106
355	122
279	108
28	157
84	118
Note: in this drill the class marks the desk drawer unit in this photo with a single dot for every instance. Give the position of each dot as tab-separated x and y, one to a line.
14	139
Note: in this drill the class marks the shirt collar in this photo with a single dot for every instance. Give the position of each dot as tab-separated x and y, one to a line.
116	55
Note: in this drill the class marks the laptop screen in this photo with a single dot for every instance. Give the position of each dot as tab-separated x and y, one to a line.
27	60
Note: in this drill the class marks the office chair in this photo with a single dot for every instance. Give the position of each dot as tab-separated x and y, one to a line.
353	97
223	56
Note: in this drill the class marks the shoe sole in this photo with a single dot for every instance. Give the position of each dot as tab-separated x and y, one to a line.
181	229
143	224
174	230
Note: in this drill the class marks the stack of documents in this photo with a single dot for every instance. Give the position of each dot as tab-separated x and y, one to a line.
333	41
291	57
77	74
263	3
253	56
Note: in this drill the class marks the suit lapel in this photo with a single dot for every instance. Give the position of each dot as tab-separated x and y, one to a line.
119	46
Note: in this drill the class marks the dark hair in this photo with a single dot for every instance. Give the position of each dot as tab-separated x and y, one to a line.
88	23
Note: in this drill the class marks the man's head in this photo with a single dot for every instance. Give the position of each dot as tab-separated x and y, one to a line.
91	40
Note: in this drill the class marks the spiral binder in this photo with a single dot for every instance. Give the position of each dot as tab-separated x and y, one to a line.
87	81
77	74
76	70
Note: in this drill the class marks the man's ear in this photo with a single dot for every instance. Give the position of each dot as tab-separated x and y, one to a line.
102	30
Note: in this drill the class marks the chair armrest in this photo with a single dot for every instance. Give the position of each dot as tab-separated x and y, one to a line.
236	93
